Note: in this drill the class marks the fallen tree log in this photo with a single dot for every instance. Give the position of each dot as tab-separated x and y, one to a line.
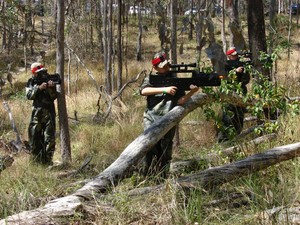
280	215
213	158
69	205
221	174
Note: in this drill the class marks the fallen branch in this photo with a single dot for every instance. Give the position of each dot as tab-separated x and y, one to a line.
213	158
280	215
5	161
17	144
222	174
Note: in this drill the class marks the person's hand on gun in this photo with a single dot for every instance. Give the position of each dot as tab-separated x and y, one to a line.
170	90
43	86
240	69
194	88
51	83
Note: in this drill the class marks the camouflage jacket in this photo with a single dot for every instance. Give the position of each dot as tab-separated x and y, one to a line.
41	98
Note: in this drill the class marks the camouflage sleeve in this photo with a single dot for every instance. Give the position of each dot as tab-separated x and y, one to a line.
31	90
146	83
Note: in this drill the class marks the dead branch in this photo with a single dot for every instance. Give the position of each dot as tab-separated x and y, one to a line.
17	144
79	170
5	161
120	92
100	89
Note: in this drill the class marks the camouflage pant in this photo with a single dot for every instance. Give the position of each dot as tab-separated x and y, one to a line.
157	160
233	122
41	133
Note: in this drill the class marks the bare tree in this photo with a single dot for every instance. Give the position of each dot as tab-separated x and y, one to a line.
61	100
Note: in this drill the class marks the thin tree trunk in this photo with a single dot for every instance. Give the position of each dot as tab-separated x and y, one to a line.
61	100
140	35
174	6
119	46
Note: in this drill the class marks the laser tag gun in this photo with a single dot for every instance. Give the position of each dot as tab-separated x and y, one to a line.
198	78
44	77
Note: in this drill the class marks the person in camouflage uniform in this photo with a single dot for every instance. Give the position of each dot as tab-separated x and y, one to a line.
41	130
233	115
161	100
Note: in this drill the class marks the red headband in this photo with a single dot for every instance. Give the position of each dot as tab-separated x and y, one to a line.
229	52
158	60
36	68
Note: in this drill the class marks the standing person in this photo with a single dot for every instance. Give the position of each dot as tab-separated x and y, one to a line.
41	130
161	100
232	115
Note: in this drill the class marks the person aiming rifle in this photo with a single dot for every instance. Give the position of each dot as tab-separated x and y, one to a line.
161	100
232	115
41	130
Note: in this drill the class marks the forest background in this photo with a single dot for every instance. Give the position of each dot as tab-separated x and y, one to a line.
106	48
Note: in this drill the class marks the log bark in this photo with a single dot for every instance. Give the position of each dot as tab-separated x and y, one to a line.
280	215
69	205
222	174
213	158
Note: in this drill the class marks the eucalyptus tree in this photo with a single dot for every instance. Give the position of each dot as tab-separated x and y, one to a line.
61	100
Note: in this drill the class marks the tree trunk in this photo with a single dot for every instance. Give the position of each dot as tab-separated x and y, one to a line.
174	6
191	18
61	100
110	43
199	32
236	36
256	32
140	35
119	46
